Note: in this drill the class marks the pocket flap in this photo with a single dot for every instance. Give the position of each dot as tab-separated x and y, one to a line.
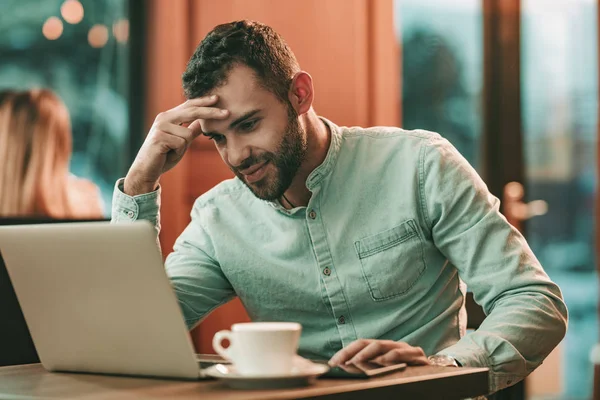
384	240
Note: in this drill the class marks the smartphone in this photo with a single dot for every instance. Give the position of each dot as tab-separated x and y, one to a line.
211	358
362	370
208	360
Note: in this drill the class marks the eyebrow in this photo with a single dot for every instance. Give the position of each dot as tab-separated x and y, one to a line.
237	122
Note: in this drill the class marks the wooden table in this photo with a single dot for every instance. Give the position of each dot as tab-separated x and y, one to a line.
32	381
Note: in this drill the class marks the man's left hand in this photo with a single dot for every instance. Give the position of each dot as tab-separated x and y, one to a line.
382	352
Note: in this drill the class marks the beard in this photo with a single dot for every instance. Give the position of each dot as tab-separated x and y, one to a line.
290	154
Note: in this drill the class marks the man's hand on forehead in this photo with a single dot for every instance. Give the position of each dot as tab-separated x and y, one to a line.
201	108
169	138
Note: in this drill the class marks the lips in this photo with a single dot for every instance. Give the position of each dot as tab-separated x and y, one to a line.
255	173
252	169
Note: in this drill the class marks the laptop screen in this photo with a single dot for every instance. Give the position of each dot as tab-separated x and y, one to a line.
16	346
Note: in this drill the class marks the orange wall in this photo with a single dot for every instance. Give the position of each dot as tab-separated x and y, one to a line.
348	47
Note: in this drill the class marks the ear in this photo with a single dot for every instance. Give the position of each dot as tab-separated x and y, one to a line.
301	93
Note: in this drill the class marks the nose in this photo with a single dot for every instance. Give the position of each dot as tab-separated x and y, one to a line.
237	152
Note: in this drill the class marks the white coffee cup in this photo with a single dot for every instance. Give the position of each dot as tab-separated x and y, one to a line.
260	348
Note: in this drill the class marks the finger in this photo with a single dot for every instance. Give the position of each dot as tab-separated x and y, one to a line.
167	142
184	115
373	350
410	355
185	133
193	113
198	102
348	352
195	128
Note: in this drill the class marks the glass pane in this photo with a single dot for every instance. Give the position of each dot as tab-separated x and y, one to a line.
442	69
79	50
559	92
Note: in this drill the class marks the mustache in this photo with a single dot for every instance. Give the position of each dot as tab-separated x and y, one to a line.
253	160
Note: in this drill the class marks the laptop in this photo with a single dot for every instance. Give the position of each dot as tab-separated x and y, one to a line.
96	299
16	346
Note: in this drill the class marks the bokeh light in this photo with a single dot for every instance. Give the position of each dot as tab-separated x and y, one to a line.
53	28
98	36
121	30
72	11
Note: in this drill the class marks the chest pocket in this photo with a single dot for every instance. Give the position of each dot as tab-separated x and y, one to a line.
392	260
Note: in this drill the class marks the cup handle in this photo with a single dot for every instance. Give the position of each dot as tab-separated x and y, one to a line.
217	339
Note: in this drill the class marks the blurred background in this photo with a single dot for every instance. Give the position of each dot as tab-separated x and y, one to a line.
82	50
513	84
443	64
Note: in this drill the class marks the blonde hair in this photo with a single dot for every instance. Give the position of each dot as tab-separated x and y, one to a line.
35	149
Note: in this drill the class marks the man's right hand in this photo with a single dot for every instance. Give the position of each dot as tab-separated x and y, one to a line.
168	141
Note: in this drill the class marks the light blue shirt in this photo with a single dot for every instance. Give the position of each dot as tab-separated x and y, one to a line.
398	224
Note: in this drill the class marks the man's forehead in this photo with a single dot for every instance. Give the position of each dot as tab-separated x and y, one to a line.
241	87
240	94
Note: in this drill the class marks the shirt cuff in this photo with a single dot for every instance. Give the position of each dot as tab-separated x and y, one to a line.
470	355
127	208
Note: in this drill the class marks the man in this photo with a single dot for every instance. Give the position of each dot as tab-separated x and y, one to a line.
365	236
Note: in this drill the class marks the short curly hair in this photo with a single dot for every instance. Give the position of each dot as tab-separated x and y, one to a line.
245	42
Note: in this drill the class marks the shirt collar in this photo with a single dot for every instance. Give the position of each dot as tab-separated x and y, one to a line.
323	170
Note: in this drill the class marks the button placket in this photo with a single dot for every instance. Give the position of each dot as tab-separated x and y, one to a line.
332	285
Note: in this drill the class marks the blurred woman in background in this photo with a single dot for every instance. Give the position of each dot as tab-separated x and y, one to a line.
35	150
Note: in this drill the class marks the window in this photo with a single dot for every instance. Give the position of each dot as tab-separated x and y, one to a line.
82	51
442	69
560	101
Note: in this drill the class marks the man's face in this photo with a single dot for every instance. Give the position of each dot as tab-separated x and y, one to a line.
262	141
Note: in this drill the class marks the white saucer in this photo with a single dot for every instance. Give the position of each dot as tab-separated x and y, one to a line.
301	375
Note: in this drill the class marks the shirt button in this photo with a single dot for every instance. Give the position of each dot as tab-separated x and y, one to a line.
130	214
327	271
341	320
312	214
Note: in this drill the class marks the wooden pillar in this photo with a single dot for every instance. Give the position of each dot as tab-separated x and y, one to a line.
385	67
502	139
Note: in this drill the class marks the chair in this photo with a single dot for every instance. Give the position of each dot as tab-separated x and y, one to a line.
16	346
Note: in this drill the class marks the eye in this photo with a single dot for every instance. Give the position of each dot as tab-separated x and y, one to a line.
248	125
